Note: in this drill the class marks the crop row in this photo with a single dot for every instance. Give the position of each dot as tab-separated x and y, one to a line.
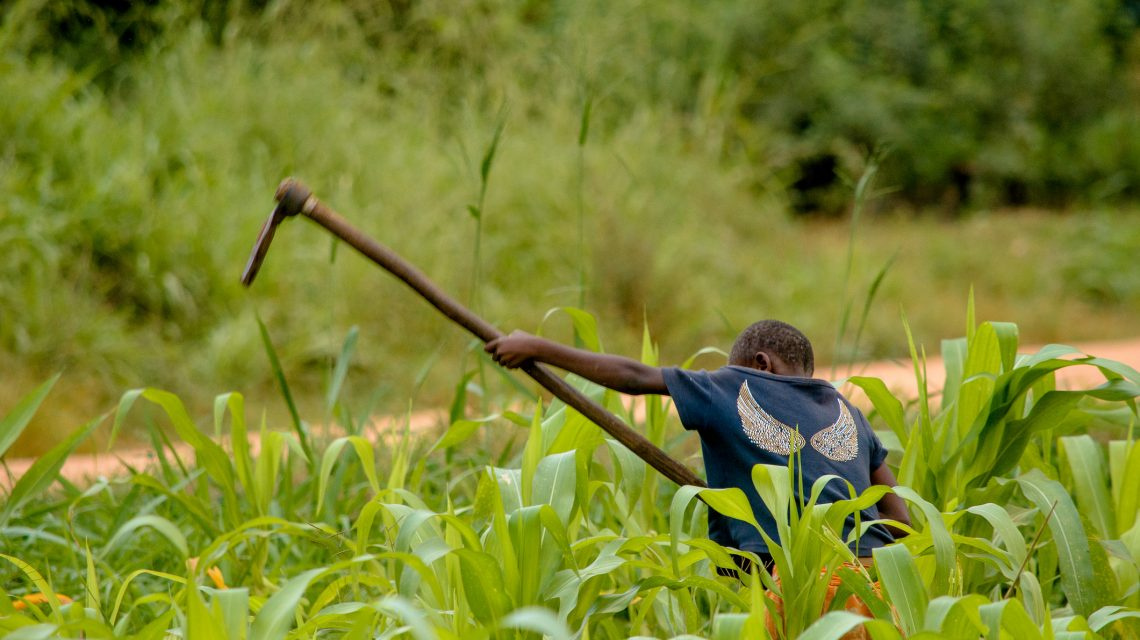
1024	499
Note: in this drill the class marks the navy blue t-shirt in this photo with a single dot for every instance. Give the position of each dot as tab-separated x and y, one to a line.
747	417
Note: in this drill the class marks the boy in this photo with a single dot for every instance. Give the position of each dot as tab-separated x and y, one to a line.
747	413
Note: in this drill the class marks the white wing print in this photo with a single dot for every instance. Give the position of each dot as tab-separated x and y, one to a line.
762	429
840	441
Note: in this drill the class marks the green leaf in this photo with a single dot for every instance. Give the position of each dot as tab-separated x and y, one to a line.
18	418
732	626
1105	616
773	483
489	155
954	361
884	402
630	469
44	471
279	373
677	509
688	362
956	617
165	527
944	550
902	584
201	623
483	585
584	121
239	439
459	400
526	537
554	484
364	454
407	612
276	616
124	587
731	502
406	539
91	591
340	372
1011	616
1005	529
459	431
233	606
585	326
1126	482
532	454
833	625
266	468
40	583
537	619
1086	588
210	454
35	632
1089	480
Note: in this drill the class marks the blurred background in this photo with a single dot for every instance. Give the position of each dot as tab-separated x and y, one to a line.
677	166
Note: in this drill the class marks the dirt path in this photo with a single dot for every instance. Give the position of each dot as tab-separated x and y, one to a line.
898	375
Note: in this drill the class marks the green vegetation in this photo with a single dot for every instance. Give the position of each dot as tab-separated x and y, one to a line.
531	523
645	167
645	162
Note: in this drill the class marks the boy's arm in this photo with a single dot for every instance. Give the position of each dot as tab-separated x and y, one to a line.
891	506
615	372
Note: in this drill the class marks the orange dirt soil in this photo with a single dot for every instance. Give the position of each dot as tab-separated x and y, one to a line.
898	375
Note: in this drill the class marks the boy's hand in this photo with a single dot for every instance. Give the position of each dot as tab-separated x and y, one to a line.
514	349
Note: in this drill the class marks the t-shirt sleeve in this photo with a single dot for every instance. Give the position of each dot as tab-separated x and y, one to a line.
690	390
878	452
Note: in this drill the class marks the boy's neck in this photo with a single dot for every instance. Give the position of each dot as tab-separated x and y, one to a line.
774	364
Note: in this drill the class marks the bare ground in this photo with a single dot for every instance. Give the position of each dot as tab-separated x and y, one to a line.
898	375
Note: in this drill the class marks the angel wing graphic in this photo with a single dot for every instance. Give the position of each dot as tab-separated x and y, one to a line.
762	429
840	441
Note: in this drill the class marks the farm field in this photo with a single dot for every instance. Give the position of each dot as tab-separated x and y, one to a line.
897	375
1023	498
941	195
630	156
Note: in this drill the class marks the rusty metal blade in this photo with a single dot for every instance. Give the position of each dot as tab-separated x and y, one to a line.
264	237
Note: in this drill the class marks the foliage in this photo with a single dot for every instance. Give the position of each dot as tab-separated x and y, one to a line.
381	534
980	102
141	143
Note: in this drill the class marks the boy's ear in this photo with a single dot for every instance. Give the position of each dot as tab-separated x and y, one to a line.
762	361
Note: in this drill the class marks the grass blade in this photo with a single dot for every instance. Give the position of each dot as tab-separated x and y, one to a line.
40	583
45	470
277	614
168	529
279	374
340	372
18	418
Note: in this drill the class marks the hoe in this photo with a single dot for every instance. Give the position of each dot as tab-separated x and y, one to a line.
294	198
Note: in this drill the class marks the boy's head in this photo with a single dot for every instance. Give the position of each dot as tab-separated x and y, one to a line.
774	346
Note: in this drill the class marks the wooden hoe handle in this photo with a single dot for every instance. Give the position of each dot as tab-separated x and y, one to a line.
293	198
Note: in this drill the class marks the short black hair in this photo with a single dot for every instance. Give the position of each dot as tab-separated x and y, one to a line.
776	337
